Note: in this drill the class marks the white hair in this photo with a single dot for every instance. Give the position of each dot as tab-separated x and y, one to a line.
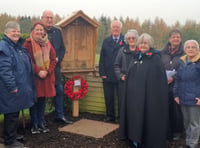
191	41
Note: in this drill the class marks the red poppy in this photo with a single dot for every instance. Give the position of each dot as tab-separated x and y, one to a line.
149	53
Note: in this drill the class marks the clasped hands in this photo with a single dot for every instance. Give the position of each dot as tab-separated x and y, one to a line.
43	74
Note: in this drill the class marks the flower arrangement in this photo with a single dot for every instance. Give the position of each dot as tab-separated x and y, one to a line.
68	88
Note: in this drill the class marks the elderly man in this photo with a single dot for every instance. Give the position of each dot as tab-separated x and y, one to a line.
17	83
109	51
56	39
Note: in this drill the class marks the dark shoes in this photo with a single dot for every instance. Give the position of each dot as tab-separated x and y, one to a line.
35	130
63	120
16	144
43	129
20	137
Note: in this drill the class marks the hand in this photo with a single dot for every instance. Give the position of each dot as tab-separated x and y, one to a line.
176	99
198	101
103	77
123	77
170	80
14	91
43	74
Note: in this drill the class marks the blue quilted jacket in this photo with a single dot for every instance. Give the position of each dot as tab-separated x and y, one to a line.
16	72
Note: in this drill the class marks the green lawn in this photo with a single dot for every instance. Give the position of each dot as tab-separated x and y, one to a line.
97	59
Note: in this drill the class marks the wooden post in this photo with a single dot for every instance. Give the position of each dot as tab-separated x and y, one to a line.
75	103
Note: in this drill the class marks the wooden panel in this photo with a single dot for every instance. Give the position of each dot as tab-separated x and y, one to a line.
80	41
94	100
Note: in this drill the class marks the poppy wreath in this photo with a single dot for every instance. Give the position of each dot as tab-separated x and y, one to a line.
68	88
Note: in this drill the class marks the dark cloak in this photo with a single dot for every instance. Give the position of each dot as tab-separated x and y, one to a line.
144	112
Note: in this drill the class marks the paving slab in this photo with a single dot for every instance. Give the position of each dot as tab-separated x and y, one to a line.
91	128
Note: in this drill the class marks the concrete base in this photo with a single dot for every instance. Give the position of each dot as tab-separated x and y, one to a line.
91	128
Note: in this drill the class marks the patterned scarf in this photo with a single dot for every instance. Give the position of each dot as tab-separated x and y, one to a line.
172	50
41	51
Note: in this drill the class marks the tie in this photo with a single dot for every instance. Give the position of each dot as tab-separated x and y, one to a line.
115	40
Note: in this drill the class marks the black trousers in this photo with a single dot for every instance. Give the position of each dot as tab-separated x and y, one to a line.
110	93
11	121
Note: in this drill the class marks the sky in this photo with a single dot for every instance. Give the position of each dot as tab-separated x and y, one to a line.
169	10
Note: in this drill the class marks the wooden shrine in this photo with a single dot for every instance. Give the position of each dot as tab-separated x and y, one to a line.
80	38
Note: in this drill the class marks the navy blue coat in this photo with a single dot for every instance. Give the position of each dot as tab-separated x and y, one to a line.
108	54
187	81
56	39
16	72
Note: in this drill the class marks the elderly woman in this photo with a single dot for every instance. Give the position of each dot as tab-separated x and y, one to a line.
122	61
170	55
186	91
145	111
17	83
44	61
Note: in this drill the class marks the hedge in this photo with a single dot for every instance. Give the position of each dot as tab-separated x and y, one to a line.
23	36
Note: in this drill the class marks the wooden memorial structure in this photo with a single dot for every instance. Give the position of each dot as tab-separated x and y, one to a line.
80	37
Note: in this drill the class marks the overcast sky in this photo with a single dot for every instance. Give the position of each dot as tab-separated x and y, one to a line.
169	10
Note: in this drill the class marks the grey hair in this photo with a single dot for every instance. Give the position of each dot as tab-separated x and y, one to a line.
131	32
146	37
11	25
191	41
116	21
175	31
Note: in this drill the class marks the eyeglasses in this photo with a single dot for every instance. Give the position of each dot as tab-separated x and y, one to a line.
192	47
47	17
129	38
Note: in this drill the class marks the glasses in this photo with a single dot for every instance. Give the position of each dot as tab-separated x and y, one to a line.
129	38
192	47
47	17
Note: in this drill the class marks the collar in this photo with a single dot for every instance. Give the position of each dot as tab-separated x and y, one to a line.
194	59
116	37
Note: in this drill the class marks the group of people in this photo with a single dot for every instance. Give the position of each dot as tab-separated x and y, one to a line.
152	106
30	73
157	90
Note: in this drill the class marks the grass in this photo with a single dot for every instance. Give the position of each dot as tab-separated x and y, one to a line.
97	59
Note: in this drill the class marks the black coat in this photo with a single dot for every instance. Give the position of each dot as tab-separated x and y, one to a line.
171	61
144	111
56	39
108	54
122	61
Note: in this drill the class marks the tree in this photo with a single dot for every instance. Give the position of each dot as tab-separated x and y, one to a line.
25	24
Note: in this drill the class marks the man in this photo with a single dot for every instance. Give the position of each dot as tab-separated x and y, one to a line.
17	83
109	51
55	37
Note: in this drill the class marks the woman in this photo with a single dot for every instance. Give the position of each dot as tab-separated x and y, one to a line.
44	61
170	57
123	59
186	91
17	83
145	110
